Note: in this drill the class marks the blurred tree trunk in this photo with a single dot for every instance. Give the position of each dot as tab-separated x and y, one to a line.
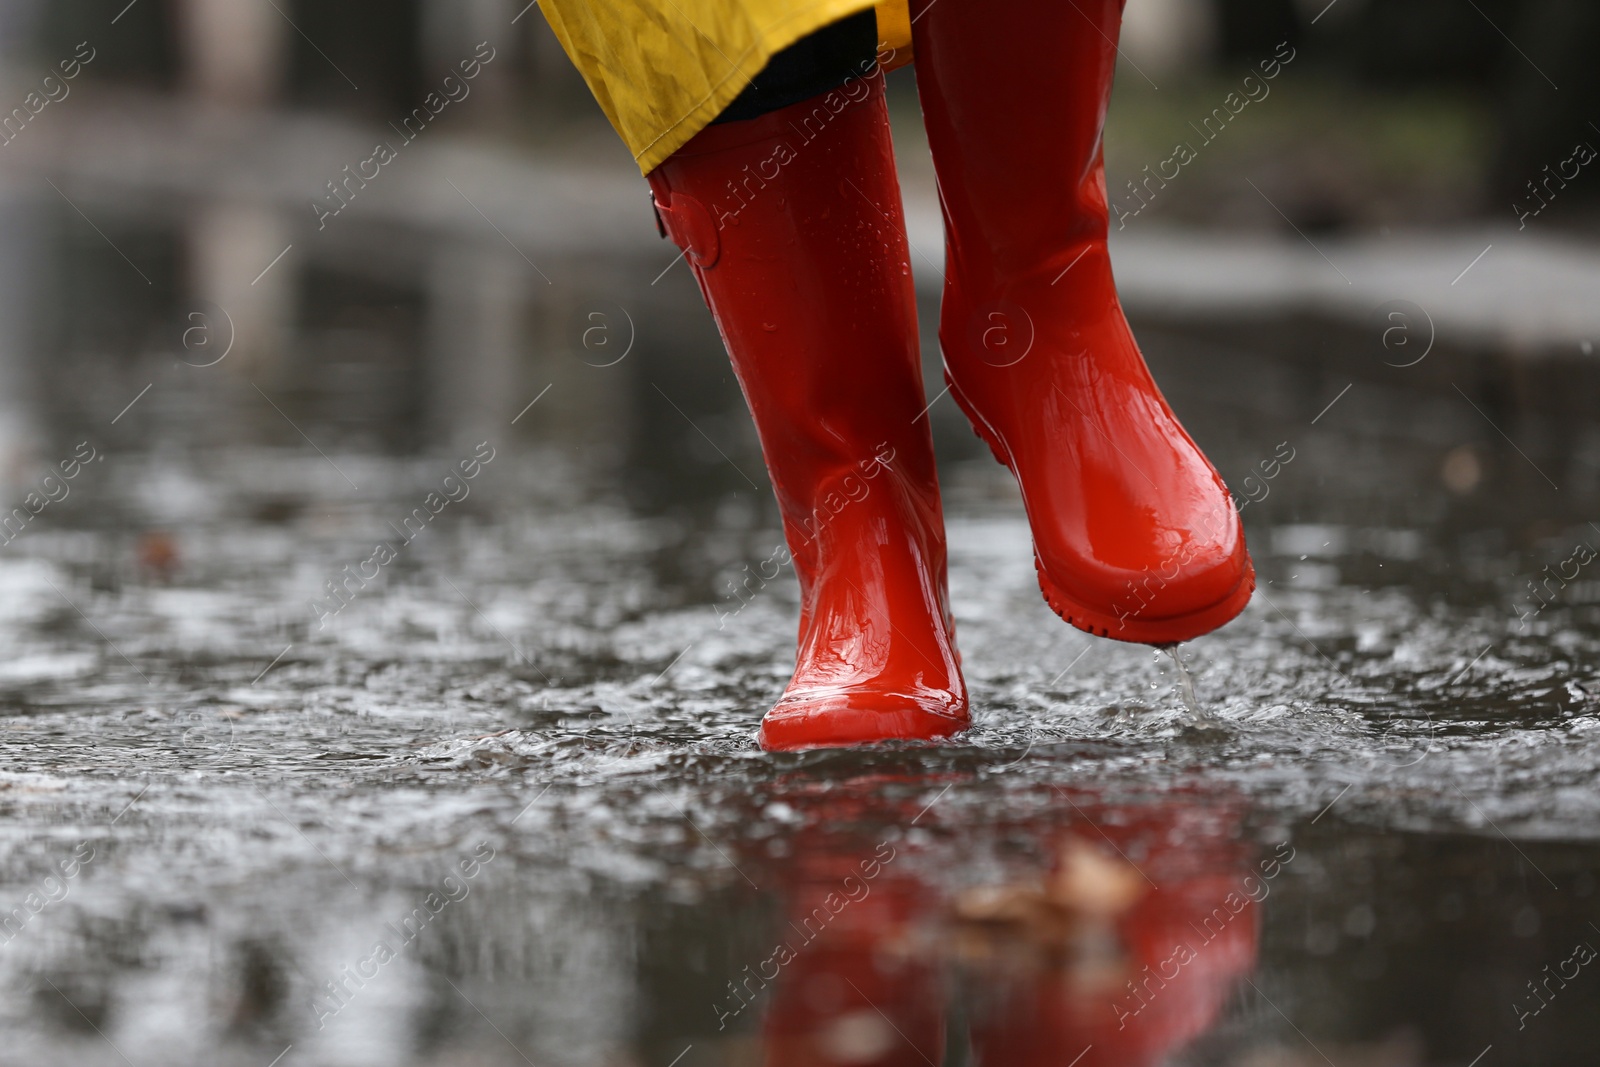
1540	126
1249	30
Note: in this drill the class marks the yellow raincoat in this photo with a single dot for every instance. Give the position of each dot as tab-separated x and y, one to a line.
663	69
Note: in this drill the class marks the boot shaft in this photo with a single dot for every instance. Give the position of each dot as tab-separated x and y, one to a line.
792	224
1014	97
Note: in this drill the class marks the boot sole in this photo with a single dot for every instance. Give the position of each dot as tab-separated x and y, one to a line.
860	718
1160	632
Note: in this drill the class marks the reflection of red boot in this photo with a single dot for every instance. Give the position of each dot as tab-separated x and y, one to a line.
846	997
1134	534
1174	984
852	989
1136	971
799	248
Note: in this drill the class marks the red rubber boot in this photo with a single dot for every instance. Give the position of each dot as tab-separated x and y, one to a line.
793	227
1134	534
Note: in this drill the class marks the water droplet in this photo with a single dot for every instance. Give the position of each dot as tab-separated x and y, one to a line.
1186	686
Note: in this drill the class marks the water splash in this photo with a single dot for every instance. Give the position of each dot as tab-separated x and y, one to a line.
1186	688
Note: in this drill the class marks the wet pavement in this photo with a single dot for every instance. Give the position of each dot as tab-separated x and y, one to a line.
501	802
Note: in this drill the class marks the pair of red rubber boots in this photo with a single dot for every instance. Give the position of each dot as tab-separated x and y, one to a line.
793	226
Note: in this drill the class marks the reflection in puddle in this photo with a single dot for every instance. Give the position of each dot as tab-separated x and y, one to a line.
1069	946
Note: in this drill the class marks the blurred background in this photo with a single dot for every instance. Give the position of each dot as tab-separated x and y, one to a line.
229	365
195	145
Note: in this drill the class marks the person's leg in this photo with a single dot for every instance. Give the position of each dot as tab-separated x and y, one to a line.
792	224
1134	534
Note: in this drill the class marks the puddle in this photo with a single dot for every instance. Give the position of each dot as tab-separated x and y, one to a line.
295	770
543	697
